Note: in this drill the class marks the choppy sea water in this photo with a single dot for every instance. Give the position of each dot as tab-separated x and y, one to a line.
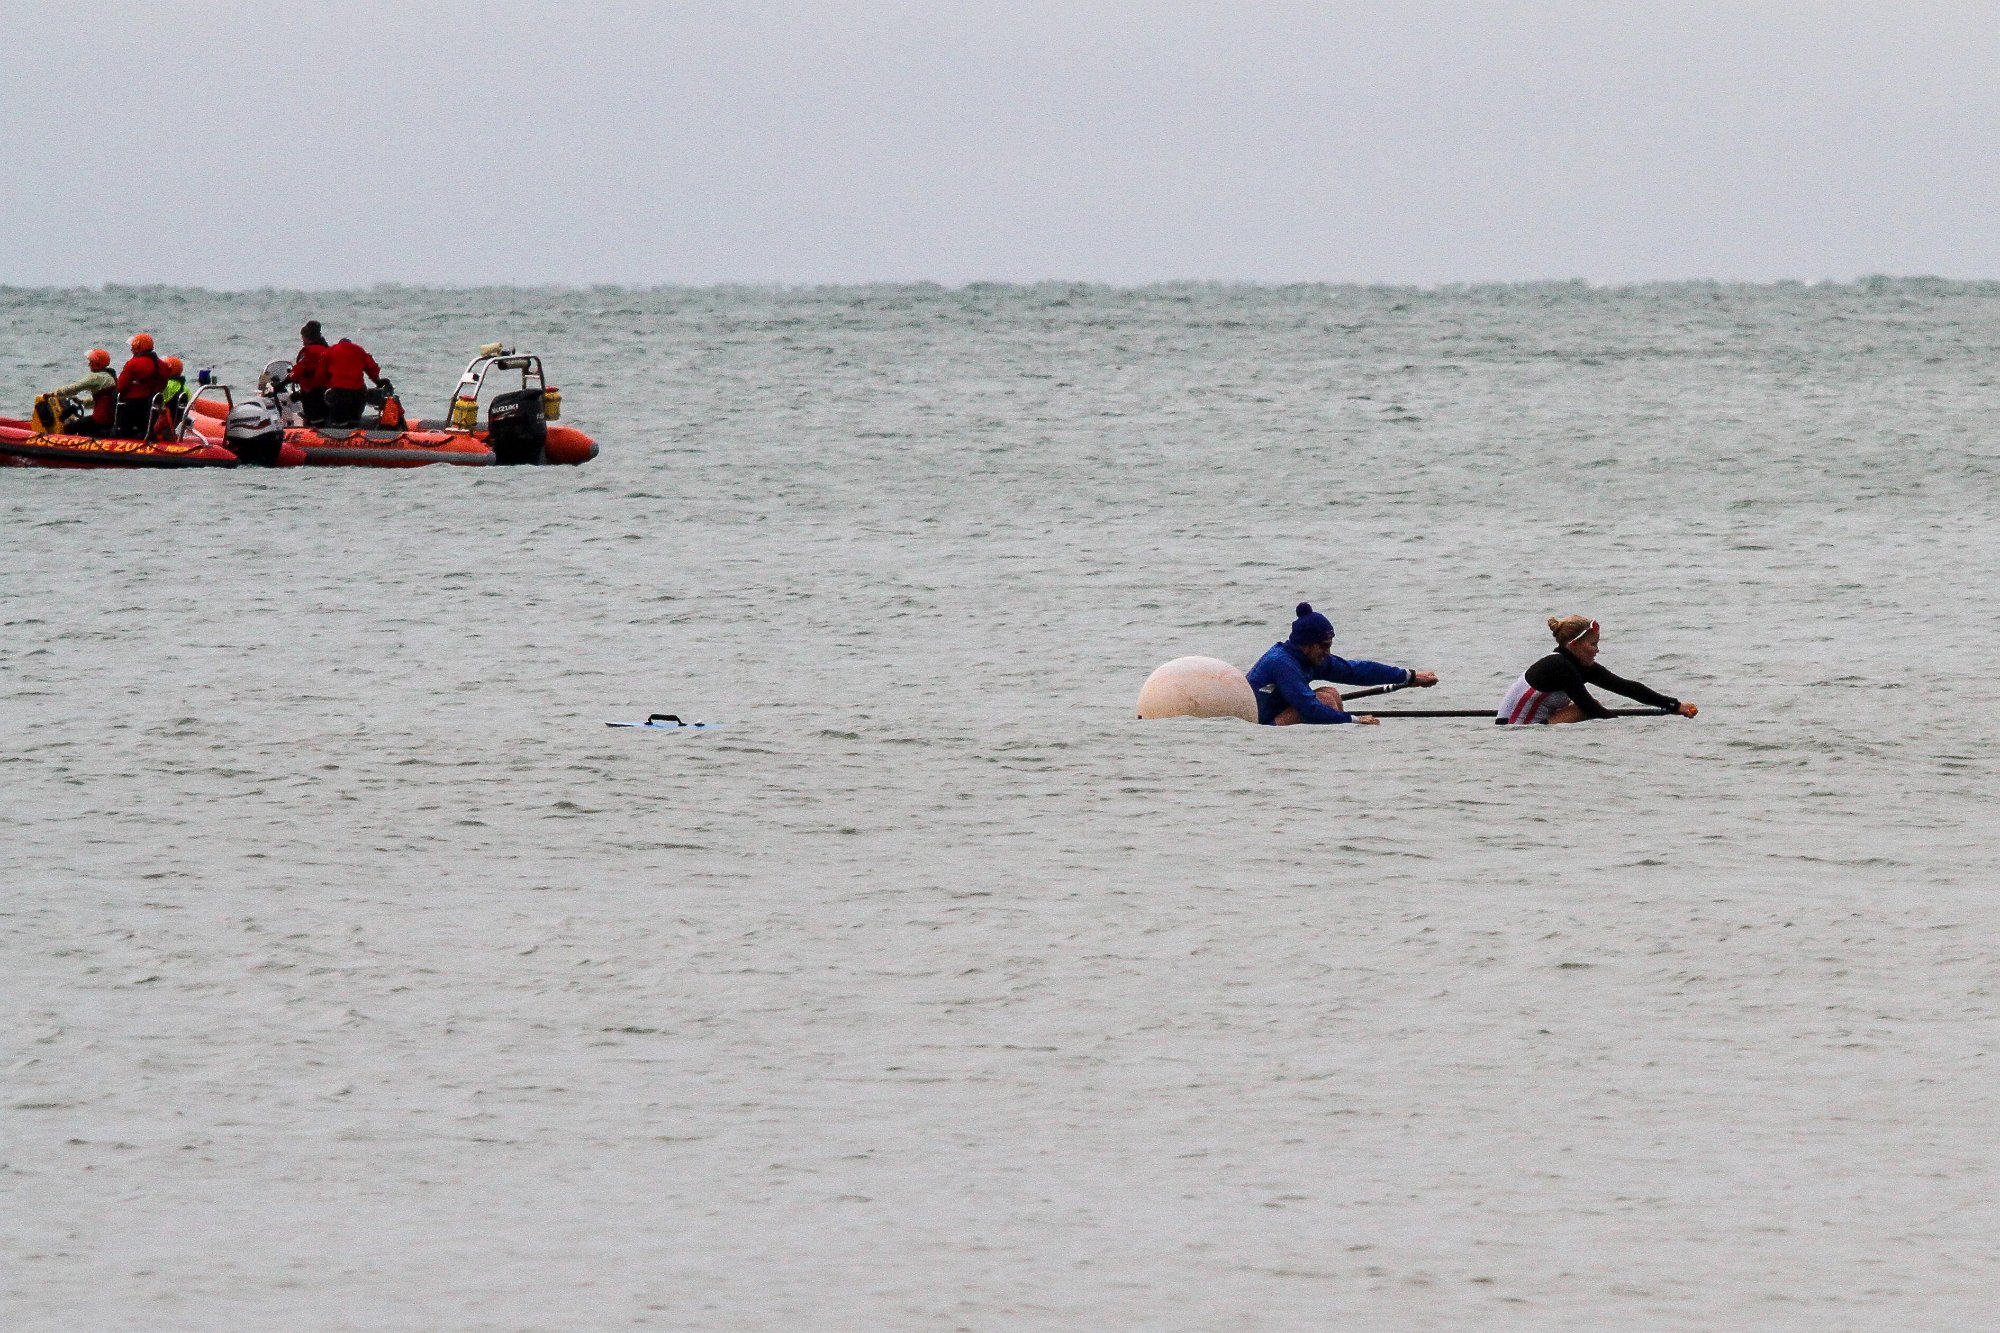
356	976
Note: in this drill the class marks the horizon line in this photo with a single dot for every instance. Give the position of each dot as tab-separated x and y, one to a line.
982	284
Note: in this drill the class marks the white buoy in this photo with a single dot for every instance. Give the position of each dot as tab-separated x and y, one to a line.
1197	687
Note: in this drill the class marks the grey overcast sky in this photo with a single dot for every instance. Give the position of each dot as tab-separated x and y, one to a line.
347	142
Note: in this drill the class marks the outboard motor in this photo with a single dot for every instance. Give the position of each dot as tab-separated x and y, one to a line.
517	429
255	433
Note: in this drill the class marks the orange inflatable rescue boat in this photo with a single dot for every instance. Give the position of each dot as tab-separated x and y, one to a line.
516	430
43	441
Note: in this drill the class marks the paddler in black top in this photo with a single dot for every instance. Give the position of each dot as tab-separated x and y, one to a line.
1552	690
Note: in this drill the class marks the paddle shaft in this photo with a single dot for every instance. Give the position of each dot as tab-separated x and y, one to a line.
1487	712
1372	689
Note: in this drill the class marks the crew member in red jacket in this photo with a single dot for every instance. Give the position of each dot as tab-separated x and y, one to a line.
346	363
309	372
139	382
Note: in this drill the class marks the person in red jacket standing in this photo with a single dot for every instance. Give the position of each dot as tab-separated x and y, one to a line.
346	362
309	372
139	382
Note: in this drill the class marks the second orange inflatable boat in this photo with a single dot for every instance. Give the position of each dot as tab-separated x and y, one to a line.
517	429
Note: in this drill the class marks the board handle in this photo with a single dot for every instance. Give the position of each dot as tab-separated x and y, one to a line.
665	717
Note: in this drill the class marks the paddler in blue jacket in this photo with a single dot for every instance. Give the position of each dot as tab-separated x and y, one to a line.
1283	677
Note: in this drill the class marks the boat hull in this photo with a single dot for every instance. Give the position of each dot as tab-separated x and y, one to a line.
387	448
340	447
20	446
567	446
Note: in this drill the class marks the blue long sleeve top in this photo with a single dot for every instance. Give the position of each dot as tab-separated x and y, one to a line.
1281	680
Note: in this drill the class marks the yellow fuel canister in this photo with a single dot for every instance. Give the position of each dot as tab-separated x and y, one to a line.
552	403
464	413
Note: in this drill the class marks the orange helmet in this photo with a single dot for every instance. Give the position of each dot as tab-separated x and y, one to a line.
173	365
142	342
99	359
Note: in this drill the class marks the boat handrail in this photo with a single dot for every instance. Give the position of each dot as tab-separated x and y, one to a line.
473	381
187	414
475	373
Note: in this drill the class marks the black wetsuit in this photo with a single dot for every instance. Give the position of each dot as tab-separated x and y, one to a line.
1559	678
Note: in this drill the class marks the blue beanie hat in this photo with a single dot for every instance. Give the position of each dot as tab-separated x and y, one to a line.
1311	627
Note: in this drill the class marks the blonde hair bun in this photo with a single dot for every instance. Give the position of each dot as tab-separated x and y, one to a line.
1569	628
